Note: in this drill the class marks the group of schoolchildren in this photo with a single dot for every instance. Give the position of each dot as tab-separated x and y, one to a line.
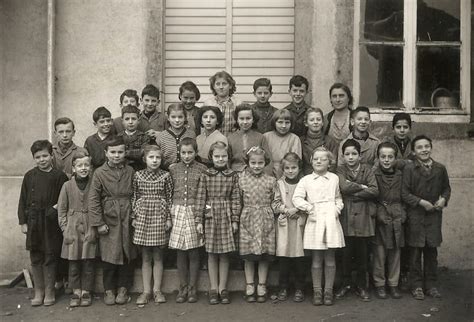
267	183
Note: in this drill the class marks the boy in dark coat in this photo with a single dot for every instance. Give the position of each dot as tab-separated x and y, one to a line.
359	190
109	210
426	190
95	144
38	217
389	237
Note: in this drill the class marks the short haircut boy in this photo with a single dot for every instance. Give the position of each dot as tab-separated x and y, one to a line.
186	142
388	145
349	143
101	112
418	138
313	110
63	120
329	154
116	141
41	145
282	114
189	86
265	82
401	116
129	93
130	109
358	109
151	90
298	81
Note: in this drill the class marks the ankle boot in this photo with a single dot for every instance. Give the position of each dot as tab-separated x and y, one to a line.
38	280
49	281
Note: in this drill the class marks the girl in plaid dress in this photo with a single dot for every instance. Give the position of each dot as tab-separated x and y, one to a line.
184	236
319	195
218	206
151	218
257	228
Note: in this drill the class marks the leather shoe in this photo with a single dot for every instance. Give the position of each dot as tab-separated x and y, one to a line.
363	294
342	292
394	293
318	297
380	292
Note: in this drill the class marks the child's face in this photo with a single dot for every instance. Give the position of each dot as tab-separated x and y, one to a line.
209	120
82	167
339	99
65	133
423	150
290	169
320	162
130	121
187	154
127	100
282	126
298	93
402	129
361	122
220	158
262	94
351	156
314	122
256	163
150	103
245	120
188	98
222	87
115	154
177	119
387	158
43	159
153	160
103	125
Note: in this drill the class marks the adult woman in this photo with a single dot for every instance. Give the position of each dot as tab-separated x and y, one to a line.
337	122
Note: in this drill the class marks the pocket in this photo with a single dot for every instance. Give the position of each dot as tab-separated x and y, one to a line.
111	217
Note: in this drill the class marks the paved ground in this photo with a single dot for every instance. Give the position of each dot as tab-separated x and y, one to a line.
456	305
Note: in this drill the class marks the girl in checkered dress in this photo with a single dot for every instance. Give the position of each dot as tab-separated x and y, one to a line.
217	214
151	218
257	227
184	236
318	194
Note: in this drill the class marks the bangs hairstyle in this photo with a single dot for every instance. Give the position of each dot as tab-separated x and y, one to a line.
189	86
313	110
151	90
101	112
358	109
329	154
129	93
80	155
204	109
265	82
281	114
227	77
418	138
40	145
349	143
116	141
399	117
149	148
64	120
345	88
219	145
131	109
256	150
298	81
245	107
388	145
186	142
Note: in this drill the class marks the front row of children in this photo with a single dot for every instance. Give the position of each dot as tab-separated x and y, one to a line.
116	209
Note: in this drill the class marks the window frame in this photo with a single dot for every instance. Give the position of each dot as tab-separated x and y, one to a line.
410	44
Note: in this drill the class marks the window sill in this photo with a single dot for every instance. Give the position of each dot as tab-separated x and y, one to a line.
422	115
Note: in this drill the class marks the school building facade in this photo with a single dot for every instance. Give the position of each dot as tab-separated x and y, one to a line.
67	57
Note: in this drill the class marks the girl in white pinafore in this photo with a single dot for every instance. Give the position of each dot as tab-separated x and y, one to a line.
318	194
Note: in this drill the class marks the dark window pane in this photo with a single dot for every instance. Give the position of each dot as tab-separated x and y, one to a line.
438	20
437	77
381	20
381	75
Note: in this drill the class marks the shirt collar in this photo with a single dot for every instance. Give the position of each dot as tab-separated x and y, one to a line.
316	176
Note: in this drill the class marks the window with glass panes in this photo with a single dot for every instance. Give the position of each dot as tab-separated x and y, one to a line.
413	55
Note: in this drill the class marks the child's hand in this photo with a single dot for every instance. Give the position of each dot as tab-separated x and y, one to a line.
427	205
293	213
200	229
235	227
168	225
152	133
364	186
103	230
24	228
440	204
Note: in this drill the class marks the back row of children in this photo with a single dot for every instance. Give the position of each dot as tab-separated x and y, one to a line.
247	193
